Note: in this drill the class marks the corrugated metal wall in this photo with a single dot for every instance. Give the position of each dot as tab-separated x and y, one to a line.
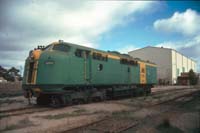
170	63
181	63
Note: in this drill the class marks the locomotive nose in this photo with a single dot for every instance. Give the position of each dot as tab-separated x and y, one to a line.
32	65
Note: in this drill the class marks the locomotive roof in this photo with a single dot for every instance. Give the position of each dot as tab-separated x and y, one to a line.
114	53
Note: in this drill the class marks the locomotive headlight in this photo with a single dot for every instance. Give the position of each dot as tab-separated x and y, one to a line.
32	56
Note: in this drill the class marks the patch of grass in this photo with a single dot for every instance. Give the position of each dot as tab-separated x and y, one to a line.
3	95
193	104
25	121
64	115
21	124
100	112
123	114
157	96
195	130
79	111
166	123
166	127
9	101
10	127
58	116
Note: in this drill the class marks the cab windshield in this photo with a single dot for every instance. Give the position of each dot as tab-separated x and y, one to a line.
47	47
61	47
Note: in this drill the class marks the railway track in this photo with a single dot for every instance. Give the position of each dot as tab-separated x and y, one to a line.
22	111
175	98
110	125
15	109
97	126
175	103
169	90
34	108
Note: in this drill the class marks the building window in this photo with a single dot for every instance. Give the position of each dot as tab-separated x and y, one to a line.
87	53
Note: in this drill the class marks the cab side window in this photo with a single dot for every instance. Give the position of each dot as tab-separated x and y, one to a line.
79	53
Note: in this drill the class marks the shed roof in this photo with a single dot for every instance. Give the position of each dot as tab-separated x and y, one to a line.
164	49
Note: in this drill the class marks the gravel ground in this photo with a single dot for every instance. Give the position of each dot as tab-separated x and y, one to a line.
62	119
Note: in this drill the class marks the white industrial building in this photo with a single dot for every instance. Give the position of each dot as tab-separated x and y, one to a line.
170	63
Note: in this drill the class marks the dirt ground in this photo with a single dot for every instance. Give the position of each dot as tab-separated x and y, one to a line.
175	117
181	115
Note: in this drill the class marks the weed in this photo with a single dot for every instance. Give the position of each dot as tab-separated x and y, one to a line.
166	123
79	111
63	115
166	127
58	116
3	95
123	114
9	101
21	124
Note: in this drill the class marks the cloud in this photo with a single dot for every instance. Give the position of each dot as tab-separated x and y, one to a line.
127	48
189	47
41	20
26	24
186	23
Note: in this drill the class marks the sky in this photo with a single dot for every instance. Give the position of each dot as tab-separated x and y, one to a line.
107	25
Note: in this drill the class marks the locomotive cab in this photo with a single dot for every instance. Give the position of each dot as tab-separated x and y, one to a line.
41	68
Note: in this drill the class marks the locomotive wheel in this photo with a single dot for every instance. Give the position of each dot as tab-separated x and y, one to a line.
55	102
42	100
78	101
149	90
39	101
146	91
97	99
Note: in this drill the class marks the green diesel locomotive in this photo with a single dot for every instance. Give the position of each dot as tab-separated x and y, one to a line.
63	73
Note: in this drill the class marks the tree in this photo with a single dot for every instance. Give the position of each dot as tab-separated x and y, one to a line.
193	78
10	74
2	71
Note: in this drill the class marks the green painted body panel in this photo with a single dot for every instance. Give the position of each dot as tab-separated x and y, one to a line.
64	68
151	74
110	74
76	71
69	70
135	74
52	73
